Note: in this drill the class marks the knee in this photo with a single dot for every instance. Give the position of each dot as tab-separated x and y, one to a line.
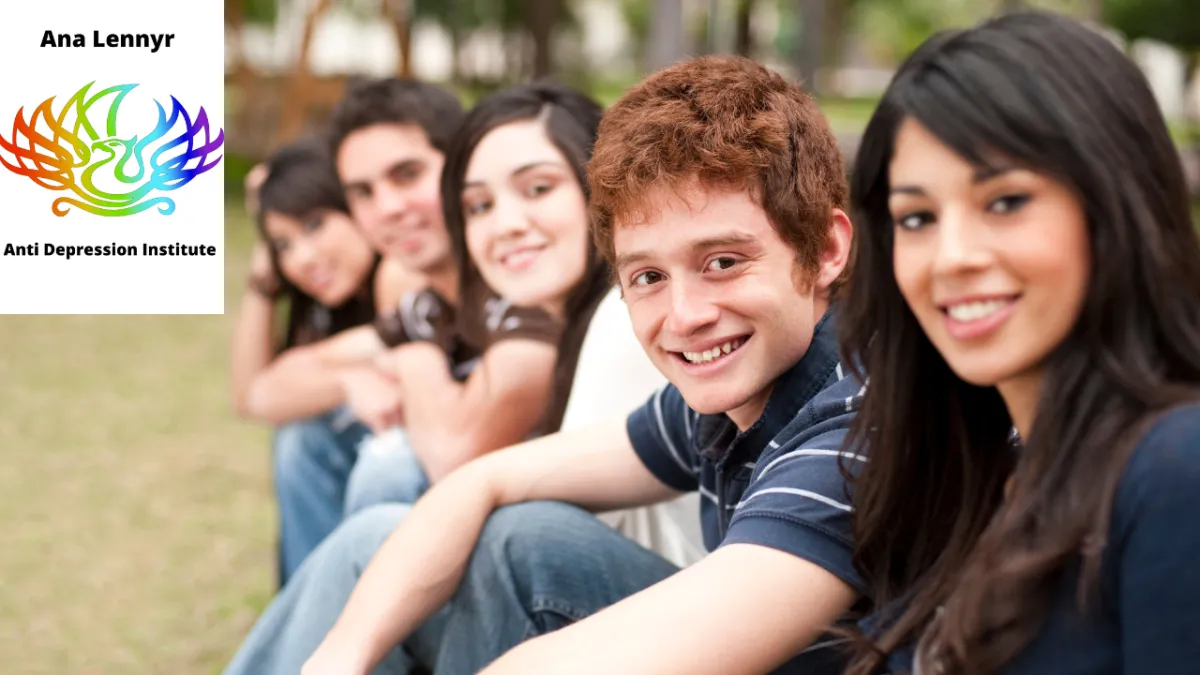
294	446
522	531
384	474
359	537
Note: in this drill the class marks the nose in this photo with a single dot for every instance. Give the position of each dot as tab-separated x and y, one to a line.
961	244
302	254
391	201
691	308
510	218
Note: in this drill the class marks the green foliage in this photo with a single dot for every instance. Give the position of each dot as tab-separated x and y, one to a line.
1175	22
263	12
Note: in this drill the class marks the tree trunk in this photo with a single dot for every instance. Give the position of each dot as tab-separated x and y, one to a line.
295	105
400	13
243	75
666	34
743	39
809	51
541	17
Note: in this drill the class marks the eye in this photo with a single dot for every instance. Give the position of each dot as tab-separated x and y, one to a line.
406	174
646	278
280	245
721	263
313	223
477	207
914	221
1008	204
538	189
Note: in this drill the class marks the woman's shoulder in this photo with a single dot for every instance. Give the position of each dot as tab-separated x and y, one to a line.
1163	472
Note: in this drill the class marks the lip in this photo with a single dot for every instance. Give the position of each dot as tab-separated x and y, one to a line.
712	367
321	279
520	259
976	329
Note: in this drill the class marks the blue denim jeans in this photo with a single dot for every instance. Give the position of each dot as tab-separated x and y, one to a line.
538	566
387	472
312	462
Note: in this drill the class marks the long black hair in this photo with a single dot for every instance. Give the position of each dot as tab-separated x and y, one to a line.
972	578
571	120
301	182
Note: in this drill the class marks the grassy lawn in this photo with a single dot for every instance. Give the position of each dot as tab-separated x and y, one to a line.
137	509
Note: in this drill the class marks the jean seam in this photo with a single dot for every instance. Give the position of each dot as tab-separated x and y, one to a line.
555	606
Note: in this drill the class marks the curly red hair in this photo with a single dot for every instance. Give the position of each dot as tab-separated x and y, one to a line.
725	122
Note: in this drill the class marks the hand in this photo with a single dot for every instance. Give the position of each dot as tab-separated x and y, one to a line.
263	278
374	398
254	180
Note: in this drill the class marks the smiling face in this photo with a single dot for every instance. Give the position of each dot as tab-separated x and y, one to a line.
391	176
716	299
324	255
526	216
993	262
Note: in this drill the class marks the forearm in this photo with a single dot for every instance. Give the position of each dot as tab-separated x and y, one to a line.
450	423
296	385
416	571
251	347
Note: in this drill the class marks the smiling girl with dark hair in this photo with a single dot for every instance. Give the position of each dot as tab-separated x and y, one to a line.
1026	259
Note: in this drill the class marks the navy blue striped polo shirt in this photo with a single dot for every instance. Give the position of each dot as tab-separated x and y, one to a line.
776	484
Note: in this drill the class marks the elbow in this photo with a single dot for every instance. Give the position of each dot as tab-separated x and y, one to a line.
253	404
448	452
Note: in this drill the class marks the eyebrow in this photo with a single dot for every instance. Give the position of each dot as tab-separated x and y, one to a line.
411	163
982	174
736	239
517	172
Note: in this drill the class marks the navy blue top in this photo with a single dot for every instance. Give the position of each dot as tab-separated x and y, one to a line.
776	484
1146	618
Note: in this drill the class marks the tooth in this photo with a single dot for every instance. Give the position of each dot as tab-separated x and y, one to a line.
726	347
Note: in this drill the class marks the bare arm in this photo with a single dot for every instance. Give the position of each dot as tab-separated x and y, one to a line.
450	423
419	567
305	381
254	331
747	609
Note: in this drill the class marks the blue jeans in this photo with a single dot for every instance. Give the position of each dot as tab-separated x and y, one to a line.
312	462
387	472
538	566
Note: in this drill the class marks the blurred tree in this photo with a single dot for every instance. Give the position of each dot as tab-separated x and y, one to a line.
664	34
1175	22
298	93
743	38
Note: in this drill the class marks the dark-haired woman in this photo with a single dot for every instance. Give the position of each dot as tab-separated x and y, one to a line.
311	258
1026	260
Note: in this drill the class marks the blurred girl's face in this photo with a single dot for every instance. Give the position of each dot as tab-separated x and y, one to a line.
323	255
526	216
993	261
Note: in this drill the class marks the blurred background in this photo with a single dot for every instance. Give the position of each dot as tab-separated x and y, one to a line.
137	509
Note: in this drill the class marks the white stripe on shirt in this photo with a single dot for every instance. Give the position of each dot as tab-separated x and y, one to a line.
812	452
662	430
800	493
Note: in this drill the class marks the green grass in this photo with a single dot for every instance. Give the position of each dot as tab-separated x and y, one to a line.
137	510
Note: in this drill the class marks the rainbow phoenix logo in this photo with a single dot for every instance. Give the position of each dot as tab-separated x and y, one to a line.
77	150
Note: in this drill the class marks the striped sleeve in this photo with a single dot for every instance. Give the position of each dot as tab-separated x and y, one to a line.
798	501
661	432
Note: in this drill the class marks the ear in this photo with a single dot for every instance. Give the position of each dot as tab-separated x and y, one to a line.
836	254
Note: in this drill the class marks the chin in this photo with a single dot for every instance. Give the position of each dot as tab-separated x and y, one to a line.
981	374
712	399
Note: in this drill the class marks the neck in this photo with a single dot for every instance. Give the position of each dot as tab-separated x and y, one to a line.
1021	394
444	281
745	415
